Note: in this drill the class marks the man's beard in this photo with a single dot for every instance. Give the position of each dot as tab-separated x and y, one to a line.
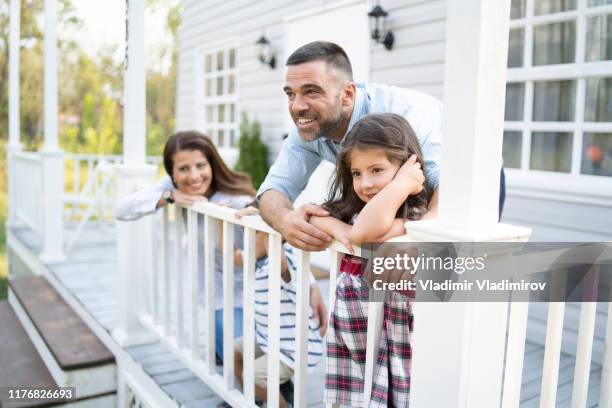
326	129
330	127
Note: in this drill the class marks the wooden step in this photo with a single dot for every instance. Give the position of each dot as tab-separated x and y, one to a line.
20	364
73	354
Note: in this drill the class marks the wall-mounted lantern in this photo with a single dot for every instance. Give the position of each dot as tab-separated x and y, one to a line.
378	27
264	52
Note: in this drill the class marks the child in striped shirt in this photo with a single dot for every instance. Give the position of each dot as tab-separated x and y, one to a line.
287	323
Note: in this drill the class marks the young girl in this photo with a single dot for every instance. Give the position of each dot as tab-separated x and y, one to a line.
379	185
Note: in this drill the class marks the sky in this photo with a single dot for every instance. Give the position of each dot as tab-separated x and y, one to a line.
104	27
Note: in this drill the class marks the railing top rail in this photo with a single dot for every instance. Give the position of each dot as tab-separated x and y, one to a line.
252	221
87	156
31	156
227	214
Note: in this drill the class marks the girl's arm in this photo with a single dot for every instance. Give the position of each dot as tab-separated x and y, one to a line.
334	227
396	230
377	218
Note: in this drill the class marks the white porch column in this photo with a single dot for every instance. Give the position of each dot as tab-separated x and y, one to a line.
134	86
459	347
52	156
13	143
134	238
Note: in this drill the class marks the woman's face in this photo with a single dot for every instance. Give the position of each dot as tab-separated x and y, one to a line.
192	173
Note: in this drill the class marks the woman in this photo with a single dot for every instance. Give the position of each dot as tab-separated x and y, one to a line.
197	172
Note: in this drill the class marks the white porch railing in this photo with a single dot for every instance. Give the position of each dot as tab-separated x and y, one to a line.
92	190
173	315
27	177
169	304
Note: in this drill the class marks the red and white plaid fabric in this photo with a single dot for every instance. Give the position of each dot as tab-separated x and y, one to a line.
346	345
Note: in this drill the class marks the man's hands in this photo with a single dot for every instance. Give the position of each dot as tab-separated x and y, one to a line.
296	229
318	307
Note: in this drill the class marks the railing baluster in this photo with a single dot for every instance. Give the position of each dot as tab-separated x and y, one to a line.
335	257
605	396
552	353
517	331
248	338
155	276
274	297
210	225
375	320
77	183
584	350
192	256
165	261
586	330
228	304
90	171
302	333
178	270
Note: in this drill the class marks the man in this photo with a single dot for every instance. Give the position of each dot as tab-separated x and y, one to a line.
324	103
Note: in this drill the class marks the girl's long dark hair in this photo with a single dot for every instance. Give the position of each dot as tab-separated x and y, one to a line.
392	134
223	178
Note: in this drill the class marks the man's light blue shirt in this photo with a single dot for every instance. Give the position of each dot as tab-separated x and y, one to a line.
298	159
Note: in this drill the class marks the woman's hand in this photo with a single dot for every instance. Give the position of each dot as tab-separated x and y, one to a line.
186	199
410	174
243	212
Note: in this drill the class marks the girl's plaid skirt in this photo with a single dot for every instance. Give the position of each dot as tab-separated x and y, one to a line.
346	347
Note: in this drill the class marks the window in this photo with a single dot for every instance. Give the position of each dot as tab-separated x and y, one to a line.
219	95
558	114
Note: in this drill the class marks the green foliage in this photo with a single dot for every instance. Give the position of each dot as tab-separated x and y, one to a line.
31	65
253	154
90	92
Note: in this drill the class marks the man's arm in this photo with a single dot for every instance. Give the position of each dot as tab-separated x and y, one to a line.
293	225
273	205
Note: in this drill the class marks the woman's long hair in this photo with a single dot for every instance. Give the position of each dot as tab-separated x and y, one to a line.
392	134
223	178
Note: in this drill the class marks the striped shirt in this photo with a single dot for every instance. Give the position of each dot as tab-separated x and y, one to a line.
298	159
287	315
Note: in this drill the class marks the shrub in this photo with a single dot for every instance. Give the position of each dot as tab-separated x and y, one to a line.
252	152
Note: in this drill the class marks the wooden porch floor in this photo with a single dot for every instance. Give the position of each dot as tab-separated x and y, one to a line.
91	274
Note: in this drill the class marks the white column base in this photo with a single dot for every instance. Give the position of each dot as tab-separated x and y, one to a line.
135	250
459	346
138	338
11	220
53	206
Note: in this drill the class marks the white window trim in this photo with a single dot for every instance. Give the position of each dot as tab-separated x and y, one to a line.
572	186
201	101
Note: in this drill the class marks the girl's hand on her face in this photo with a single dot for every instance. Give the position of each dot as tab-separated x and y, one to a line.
411	175
186	199
243	212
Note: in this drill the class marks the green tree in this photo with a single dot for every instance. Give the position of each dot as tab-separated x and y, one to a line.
252	153
31	64
161	83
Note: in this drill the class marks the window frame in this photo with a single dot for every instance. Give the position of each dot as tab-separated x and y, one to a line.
583	187
202	102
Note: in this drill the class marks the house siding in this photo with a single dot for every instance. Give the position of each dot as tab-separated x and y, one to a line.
416	61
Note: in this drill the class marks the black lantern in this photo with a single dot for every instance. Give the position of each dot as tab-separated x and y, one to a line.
264	52
378	27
